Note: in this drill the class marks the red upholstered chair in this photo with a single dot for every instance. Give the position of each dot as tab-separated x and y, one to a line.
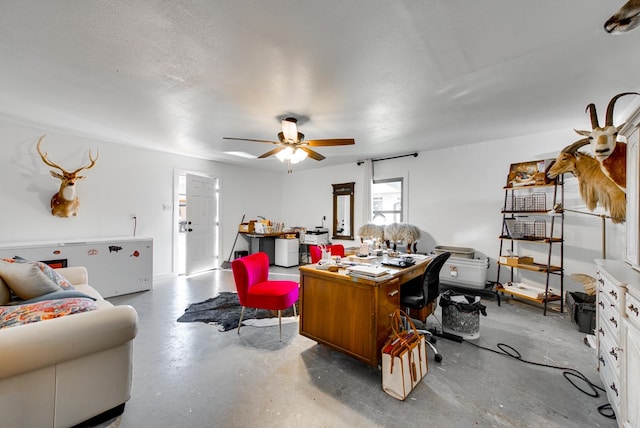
315	251
255	290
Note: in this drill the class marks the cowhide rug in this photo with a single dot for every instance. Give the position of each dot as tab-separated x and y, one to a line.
224	310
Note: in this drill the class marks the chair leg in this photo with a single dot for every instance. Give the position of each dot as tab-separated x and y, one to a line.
280	323
295	313
240	322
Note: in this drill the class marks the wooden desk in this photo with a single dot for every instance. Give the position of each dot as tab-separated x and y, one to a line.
351	315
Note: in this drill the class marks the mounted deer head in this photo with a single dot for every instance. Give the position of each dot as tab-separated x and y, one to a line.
603	140
65	202
625	19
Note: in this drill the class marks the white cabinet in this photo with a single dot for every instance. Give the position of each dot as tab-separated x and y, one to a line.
115	265
287	252
633	200
631	363
618	338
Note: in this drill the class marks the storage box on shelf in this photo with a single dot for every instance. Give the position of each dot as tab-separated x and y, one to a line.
528	219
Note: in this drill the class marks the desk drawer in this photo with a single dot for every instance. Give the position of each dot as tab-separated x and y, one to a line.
408	276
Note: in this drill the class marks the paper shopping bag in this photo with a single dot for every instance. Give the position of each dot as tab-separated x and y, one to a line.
404	361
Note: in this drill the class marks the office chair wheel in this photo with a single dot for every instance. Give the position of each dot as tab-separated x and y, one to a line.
438	358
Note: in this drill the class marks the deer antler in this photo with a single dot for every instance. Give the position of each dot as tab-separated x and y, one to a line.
45	159
91	164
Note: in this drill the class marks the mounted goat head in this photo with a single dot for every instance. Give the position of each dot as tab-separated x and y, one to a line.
611	153
595	187
65	203
625	19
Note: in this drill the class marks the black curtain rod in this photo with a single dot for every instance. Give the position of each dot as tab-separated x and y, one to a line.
415	155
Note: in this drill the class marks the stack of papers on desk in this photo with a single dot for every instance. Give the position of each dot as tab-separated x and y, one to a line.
363	258
375	273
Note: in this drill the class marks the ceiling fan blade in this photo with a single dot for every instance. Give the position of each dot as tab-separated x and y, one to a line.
313	155
331	142
270	153
251	139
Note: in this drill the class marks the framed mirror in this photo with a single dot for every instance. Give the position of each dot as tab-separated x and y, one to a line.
343	210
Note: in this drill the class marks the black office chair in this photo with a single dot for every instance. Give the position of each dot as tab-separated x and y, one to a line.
417	295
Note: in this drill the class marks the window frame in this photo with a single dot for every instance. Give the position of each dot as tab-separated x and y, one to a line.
401	211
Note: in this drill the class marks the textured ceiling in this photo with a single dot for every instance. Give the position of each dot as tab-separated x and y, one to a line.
398	76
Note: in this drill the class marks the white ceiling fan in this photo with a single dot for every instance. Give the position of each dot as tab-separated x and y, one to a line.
292	147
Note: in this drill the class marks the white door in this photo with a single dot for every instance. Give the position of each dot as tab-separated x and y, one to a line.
201	227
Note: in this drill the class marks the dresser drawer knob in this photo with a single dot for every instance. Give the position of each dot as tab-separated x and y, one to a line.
393	293
633	308
614	353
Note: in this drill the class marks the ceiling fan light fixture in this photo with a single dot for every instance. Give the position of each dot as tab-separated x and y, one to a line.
298	156
291	155
285	154
290	129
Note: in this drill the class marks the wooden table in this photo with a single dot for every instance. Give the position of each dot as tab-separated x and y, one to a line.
351	315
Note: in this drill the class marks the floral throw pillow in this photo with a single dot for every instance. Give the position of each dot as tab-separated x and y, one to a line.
11	316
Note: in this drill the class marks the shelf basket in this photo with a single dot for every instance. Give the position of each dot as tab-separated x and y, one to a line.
527	229
532	202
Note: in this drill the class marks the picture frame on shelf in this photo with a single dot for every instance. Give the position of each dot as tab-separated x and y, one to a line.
531	173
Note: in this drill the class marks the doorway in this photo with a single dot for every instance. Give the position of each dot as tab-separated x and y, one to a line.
196	243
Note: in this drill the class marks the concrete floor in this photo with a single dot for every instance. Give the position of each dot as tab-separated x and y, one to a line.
192	375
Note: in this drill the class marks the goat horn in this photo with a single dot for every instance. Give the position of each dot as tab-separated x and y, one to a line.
594	116
609	118
572	148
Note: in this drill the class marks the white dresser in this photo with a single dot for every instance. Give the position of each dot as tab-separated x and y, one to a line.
618	338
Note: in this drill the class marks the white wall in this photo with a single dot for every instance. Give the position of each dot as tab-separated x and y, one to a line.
455	197
124	181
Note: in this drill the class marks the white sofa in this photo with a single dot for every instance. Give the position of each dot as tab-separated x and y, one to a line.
64	371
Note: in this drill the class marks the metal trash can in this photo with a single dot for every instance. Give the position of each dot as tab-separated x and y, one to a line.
461	314
238	254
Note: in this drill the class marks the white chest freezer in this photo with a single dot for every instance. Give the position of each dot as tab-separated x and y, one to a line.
116	266
470	273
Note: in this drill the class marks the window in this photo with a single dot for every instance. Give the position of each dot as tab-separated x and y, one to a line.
386	201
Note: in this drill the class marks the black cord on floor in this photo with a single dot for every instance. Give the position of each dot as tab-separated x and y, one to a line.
605	410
